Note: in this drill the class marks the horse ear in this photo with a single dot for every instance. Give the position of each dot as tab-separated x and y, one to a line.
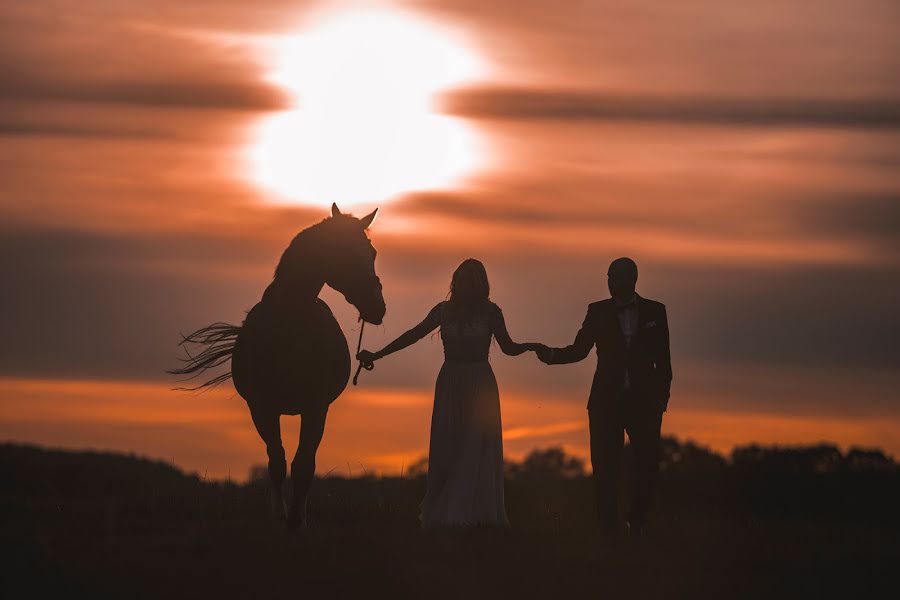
368	219
335	211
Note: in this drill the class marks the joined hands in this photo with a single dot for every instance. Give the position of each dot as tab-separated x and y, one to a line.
544	353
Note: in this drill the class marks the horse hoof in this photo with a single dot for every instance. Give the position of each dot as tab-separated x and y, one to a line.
279	509
296	520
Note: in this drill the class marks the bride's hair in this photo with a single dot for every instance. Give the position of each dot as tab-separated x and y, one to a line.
469	289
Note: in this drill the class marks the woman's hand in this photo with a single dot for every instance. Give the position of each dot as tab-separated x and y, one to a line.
534	347
366	357
539	349
544	354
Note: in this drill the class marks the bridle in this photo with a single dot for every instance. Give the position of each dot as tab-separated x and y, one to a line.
367	367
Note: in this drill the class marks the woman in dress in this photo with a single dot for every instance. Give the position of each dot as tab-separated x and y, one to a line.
465	459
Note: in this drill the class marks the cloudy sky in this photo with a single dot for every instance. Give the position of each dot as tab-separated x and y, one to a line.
156	158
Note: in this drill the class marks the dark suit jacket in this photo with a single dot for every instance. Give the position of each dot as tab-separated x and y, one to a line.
648	361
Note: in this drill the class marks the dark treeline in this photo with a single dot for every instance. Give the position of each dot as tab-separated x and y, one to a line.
548	486
811	482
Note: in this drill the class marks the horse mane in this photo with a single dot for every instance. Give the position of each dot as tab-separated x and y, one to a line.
314	240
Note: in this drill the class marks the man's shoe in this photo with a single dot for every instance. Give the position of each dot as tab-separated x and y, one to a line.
609	531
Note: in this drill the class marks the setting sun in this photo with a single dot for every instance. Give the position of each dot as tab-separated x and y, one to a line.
363	127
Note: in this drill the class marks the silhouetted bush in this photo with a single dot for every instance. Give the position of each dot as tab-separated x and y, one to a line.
550	463
824	458
866	459
687	457
419	468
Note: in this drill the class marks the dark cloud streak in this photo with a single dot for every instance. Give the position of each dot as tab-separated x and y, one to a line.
10	128
528	104
872	217
204	94
105	305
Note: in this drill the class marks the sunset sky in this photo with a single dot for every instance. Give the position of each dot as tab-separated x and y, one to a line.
157	157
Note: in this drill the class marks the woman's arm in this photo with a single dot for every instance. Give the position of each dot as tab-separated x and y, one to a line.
429	324
498	328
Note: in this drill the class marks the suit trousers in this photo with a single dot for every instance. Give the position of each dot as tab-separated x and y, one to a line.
641	418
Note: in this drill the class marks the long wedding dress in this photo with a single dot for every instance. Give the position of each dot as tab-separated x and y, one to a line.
465	458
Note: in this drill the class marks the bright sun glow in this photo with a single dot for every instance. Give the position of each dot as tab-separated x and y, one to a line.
363	127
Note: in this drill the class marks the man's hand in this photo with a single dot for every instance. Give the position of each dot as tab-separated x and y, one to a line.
544	354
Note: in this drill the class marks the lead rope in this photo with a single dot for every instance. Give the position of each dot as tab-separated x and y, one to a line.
368	367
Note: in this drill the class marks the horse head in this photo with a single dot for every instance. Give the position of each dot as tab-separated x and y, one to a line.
350	268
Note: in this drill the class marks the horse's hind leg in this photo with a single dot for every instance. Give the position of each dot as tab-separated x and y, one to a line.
303	467
268	425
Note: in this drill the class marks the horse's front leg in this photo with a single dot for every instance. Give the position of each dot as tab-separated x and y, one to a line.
303	467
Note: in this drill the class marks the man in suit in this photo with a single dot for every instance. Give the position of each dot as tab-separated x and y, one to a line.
630	391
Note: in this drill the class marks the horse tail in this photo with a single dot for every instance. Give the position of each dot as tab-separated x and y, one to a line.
219	340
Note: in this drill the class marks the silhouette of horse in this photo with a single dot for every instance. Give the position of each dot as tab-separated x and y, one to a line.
290	356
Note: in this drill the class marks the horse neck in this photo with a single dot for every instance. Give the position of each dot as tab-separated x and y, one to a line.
297	282
298	291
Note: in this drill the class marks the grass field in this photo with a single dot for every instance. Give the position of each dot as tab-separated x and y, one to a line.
108	526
